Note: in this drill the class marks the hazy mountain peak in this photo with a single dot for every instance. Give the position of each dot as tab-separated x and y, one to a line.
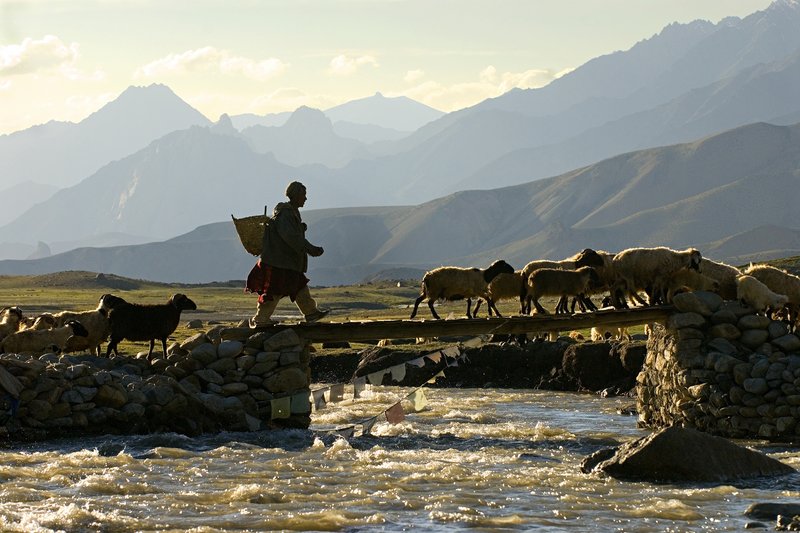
224	125
396	112
306	117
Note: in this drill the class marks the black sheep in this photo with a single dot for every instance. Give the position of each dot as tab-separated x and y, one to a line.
146	322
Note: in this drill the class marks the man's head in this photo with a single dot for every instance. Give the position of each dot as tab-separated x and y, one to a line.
296	192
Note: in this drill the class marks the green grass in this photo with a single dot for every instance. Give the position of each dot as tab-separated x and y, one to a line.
227	303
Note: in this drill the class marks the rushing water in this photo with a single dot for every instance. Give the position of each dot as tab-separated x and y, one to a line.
484	459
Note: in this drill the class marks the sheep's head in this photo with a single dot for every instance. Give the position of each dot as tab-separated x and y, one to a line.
109	301
590	258
592	277
496	268
13	314
182	302
695	259
77	328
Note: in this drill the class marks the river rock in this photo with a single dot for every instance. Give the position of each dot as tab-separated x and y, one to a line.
724	316
787	343
205	353
229	348
770	511
724	331
677	454
283	339
685	320
592	366
753	338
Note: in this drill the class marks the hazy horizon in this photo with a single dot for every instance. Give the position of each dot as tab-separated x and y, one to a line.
58	63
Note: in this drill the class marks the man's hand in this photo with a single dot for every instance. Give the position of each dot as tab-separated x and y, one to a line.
316	251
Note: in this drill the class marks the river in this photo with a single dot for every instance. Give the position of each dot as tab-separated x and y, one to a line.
483	459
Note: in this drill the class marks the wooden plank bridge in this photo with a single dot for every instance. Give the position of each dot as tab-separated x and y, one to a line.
403	329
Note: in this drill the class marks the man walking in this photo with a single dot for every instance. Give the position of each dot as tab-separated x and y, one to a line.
284	261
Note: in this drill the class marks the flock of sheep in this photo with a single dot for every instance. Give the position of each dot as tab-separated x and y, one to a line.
659	273
114	320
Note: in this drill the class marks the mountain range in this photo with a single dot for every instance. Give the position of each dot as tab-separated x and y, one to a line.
734	204
730	85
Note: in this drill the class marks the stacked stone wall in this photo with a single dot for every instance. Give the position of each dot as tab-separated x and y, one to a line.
204	385
717	367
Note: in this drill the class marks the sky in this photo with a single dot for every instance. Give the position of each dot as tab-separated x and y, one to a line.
64	59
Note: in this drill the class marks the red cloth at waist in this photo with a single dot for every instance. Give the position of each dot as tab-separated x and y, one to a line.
273	282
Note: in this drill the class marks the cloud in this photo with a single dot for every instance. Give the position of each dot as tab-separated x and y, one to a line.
490	84
34	55
212	59
414	75
345	64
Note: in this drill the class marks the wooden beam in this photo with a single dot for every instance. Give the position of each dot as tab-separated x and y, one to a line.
403	329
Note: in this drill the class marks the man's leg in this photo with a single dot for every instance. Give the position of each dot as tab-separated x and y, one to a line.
308	306
264	313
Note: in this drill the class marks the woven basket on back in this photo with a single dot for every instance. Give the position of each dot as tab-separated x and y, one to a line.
251	232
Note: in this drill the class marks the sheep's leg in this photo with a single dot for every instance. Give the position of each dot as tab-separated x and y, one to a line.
478	306
150	353
416	305
587	301
433	311
112	346
490	304
538	306
469	307
636	298
164	346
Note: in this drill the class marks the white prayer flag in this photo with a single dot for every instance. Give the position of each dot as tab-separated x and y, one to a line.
359	384
367	425
439	375
319	399
376	378
346	432
398	372
337	392
435	356
418	399
451	351
419	362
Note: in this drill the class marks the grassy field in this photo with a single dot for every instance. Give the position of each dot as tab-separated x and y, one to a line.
228	304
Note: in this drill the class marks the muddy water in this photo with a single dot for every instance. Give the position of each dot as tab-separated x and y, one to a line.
488	460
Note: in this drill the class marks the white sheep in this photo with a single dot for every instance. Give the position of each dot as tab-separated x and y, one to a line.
780	282
38	341
585	258
604	333
562	283
504	286
456	283
43	321
683	280
97	327
640	269
10	318
750	291
724	274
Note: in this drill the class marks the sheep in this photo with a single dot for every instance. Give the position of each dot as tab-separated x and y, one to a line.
39	341
503	287
10	318
683	280
586	257
555	282
146	322
604	333
97	327
638	269
750	291
724	274
455	283
780	282
43	321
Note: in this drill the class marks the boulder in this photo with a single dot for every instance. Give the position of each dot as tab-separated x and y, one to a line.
593	366
678	454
